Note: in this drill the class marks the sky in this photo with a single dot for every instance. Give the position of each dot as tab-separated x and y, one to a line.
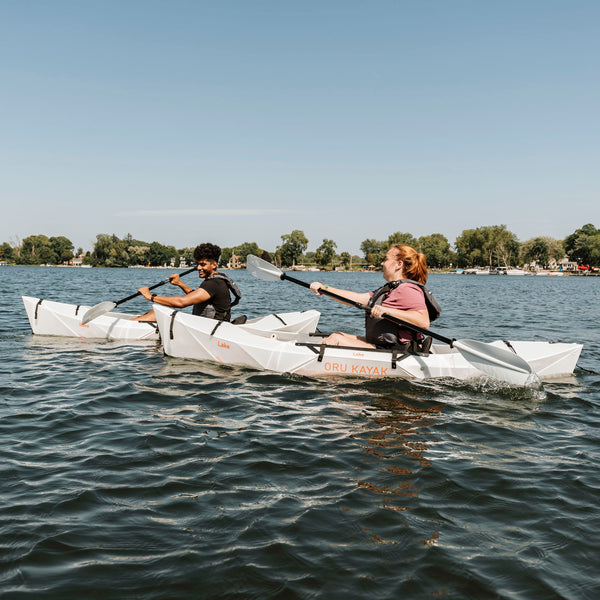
183	121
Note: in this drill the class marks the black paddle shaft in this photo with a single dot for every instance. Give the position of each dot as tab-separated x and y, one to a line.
153	286
367	309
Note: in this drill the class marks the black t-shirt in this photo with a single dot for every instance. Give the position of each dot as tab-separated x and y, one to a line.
219	298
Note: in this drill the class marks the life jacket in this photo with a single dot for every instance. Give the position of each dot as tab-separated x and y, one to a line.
382	332
207	309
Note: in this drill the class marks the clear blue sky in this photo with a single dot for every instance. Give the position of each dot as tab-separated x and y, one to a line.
184	121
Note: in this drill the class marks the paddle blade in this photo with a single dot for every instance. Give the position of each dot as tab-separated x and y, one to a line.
497	363
262	269
98	311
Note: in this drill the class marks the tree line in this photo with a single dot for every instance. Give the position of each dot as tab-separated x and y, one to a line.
484	246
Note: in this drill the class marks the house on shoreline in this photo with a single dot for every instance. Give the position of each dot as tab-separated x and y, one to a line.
234	262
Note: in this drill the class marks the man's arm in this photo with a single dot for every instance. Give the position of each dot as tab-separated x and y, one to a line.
193	297
175	280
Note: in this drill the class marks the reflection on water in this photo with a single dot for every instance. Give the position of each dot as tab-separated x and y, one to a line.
397	439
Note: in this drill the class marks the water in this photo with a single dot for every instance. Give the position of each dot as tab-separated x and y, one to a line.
125	474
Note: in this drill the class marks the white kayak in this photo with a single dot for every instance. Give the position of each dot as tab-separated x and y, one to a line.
185	336
47	317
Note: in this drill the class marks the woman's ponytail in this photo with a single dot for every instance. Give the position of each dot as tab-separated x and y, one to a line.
415	263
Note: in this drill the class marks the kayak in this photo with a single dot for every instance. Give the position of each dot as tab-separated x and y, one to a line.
184	336
47	317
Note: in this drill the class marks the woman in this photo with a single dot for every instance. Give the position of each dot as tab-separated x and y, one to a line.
402	299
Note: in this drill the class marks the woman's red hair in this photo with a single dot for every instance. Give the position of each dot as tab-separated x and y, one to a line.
415	265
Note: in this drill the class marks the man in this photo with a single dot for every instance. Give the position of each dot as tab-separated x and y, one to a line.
211	299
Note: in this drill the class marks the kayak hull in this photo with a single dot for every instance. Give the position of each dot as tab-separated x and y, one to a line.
196	338
47	317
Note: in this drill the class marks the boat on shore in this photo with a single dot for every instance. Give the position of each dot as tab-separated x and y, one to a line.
477	271
185	336
515	271
494	271
47	317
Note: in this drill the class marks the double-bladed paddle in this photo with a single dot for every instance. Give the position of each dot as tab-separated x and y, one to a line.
104	307
495	362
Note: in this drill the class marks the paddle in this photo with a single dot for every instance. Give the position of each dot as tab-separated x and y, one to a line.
104	307
495	362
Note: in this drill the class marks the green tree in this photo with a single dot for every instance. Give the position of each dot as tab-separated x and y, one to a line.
226	254
294	244
160	255
556	248
405	239
581	245
595	251
62	249
345	259
7	252
102	249
535	250
110	251
469	248
119	257
138	254
372	249
436	249
247	248
503	246
36	250
47	256
188	255
325	253
489	245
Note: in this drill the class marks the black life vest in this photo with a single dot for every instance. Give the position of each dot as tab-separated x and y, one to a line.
207	309
382	332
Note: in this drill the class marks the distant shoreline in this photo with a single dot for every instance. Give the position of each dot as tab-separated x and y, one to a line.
431	271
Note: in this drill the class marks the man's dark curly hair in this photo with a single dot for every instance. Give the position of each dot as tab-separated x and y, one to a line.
207	252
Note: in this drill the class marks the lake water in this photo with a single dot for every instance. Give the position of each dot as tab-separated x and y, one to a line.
125	474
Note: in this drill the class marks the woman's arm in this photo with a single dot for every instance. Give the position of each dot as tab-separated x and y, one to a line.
363	298
420	318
